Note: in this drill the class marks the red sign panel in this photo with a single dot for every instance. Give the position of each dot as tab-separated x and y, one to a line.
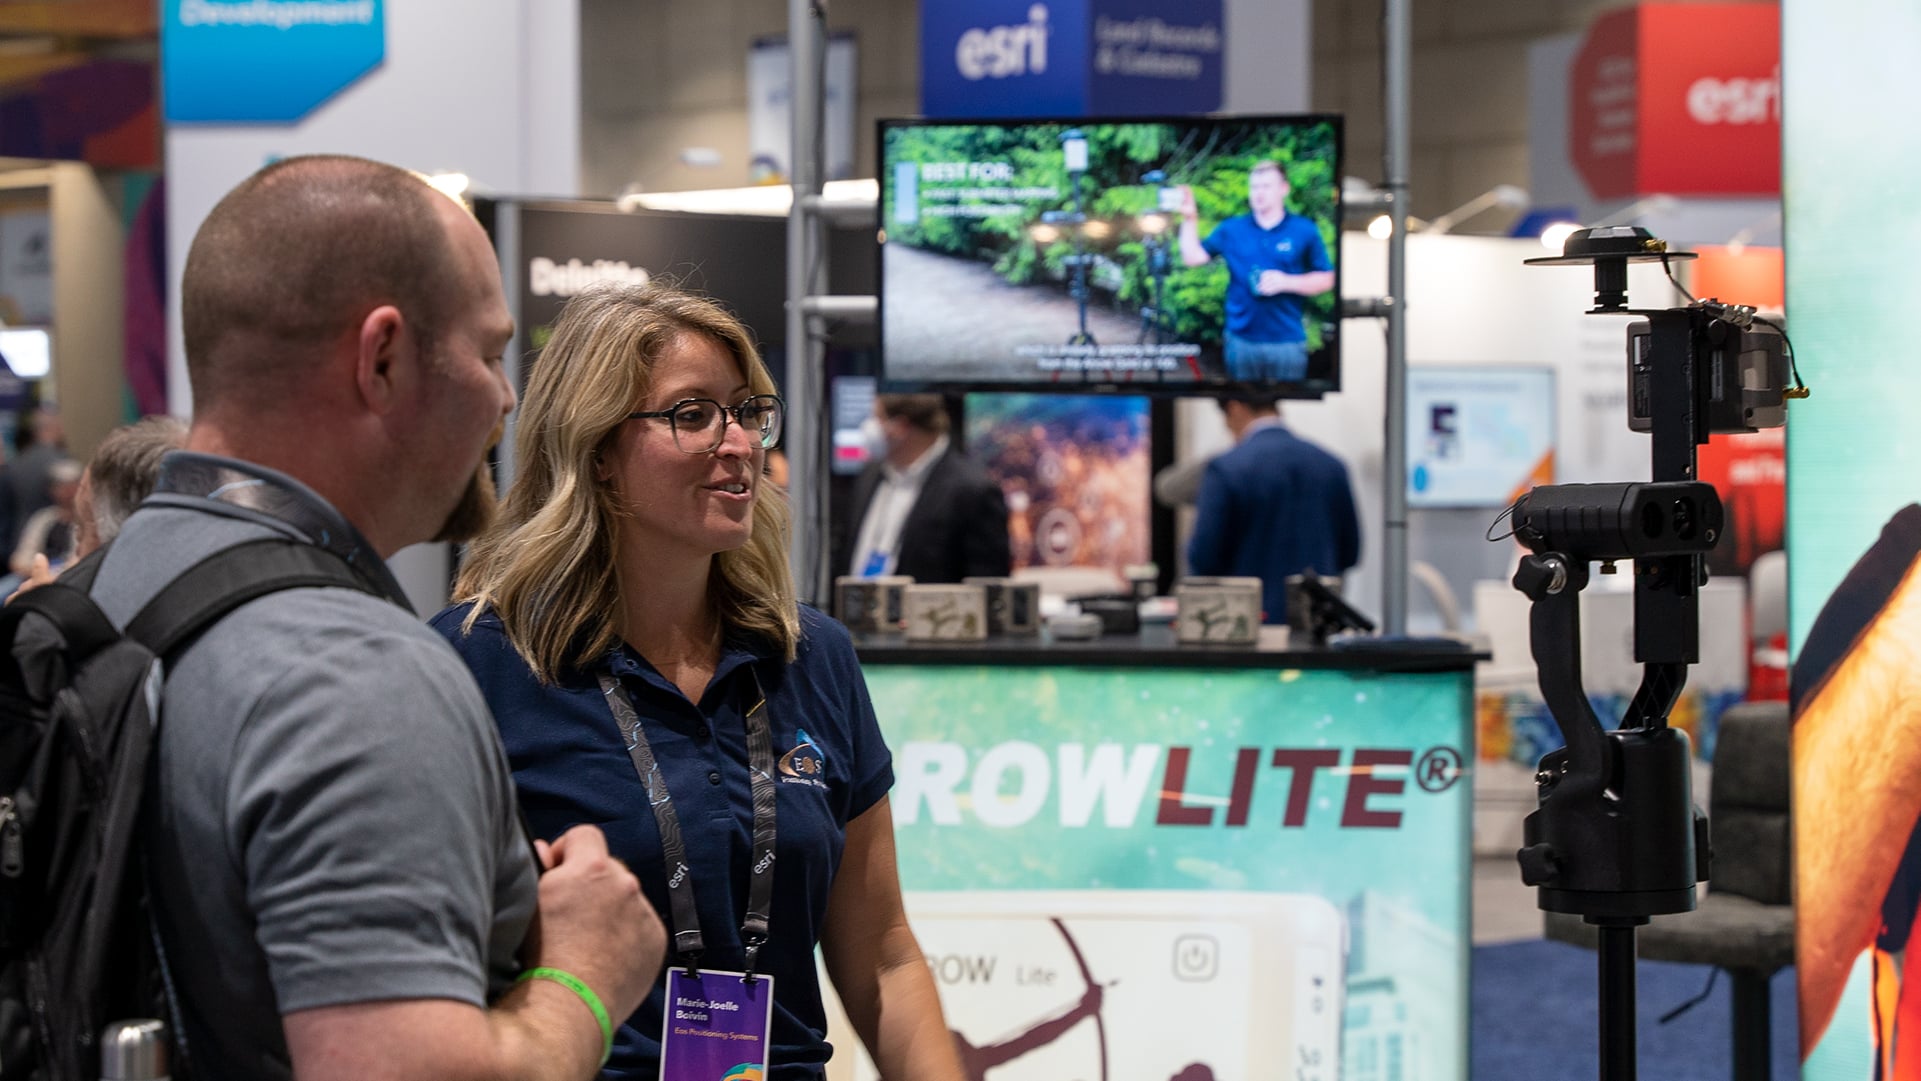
1682	99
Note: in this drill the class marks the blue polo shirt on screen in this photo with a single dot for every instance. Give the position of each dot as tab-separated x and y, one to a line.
571	765
1293	246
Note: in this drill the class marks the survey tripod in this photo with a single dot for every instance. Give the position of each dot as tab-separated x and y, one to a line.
1616	838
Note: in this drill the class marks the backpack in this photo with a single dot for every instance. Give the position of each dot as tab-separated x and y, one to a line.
78	949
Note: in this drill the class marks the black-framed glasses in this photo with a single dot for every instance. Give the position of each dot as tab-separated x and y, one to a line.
700	424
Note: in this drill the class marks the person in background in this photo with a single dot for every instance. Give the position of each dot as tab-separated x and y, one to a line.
924	509
40	442
776	469
1274	506
339	872
632	622
120	474
48	535
1275	262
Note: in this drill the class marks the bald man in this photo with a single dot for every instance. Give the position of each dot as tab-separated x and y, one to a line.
340	879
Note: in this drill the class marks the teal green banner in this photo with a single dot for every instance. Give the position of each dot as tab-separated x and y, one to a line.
1201	873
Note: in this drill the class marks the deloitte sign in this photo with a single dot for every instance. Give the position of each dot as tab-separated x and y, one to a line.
264	61
989	58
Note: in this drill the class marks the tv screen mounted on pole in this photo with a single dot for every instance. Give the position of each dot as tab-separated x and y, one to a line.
1178	255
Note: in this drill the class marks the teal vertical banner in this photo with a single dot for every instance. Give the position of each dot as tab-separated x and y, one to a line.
264	61
1188	873
1854	462
1853	234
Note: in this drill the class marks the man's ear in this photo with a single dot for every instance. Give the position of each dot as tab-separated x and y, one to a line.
380	355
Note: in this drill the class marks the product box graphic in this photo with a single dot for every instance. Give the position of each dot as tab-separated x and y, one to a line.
1038	984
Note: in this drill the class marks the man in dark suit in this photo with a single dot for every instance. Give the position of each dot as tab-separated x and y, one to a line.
1273	506
922	509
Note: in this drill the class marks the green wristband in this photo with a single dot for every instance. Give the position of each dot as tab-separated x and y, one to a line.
574	983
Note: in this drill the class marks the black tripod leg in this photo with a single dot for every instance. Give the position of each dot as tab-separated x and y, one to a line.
1617	1003
1752	1035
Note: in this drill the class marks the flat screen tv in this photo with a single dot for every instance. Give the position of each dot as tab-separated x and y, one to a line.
1478	435
1171	256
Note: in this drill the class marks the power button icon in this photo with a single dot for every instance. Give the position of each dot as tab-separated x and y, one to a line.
1197	958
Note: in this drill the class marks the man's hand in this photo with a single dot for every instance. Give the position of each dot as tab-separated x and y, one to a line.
1190	211
39	574
1270	282
593	922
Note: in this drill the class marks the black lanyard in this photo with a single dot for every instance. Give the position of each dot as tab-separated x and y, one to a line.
688	942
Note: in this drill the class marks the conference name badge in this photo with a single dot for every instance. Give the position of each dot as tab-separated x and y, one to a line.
716	1026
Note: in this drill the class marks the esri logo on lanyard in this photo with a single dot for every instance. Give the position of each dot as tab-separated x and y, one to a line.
716	1022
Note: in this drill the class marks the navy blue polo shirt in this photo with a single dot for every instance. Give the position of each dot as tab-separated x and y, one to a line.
1293	246
571	765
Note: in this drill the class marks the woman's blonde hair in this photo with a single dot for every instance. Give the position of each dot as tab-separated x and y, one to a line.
547	565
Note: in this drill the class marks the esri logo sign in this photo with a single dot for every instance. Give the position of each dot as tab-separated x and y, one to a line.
1736	101
999	52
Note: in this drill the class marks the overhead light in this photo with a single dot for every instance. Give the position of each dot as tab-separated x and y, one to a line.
1358	198
1505	196
1554	237
773	200
1382	226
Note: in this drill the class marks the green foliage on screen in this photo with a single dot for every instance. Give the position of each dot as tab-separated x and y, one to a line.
1213	161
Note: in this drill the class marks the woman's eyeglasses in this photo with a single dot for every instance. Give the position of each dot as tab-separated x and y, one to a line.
700	424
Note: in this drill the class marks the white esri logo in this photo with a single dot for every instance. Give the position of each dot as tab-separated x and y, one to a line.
1735	101
997	52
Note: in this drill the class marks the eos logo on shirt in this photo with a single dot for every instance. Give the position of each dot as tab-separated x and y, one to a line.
1736	101
1002	51
805	764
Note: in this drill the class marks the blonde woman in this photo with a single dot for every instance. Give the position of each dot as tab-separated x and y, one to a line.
631	619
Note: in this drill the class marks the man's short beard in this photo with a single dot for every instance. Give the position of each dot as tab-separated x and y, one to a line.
475	511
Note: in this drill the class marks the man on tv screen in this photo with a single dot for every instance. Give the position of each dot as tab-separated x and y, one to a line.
1275	262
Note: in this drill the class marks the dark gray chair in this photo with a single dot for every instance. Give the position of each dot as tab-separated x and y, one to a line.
1745	924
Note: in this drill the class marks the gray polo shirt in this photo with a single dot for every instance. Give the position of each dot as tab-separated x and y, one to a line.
334	819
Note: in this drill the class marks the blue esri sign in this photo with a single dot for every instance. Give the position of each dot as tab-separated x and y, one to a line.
1013	58
264	61
1003	57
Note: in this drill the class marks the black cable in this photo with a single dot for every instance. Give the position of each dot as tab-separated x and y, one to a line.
1497	521
1682	289
1800	389
1695	1001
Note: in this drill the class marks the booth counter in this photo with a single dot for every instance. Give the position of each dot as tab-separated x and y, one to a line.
1129	858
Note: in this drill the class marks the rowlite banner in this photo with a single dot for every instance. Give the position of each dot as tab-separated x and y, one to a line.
987	58
264	61
1194	874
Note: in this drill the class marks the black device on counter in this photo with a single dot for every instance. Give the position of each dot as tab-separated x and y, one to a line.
1118	614
1315	611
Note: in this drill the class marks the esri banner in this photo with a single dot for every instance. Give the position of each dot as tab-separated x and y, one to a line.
1155	874
264	61
993	58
